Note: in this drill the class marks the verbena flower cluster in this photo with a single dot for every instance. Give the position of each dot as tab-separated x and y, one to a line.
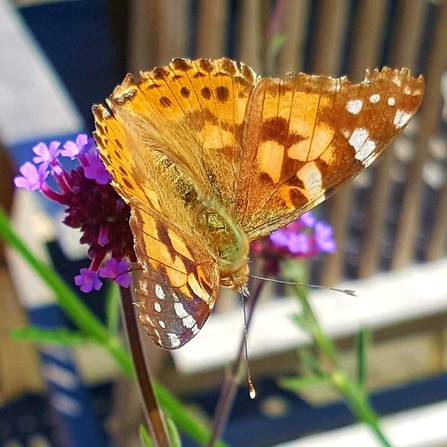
304	238
94	207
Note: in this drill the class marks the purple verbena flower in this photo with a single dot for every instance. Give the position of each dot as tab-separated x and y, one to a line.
32	178
46	154
299	243
82	146
117	271
88	280
323	237
90	202
303	238
95	170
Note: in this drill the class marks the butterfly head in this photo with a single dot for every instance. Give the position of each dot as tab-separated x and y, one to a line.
235	279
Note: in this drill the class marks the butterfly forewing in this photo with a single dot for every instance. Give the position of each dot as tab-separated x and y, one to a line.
308	135
204	151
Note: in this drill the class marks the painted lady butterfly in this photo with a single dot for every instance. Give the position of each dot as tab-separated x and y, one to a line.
210	157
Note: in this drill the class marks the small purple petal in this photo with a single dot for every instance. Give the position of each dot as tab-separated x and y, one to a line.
308	219
96	169
280	238
32	178
323	237
299	243
88	280
117	271
70	150
46	154
123	280
85	144
82	145
103	237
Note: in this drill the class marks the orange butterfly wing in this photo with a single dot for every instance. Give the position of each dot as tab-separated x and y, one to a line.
179	282
306	136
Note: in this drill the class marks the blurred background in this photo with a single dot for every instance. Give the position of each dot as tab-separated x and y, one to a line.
57	58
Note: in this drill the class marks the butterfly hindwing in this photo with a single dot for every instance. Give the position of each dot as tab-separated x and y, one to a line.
179	282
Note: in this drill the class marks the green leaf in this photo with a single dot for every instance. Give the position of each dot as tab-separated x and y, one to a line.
173	433
302	321
54	336
174	437
362	342
310	362
183	418
144	435
300	383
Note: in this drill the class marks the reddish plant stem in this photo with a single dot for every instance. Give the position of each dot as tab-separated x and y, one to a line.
155	419
231	381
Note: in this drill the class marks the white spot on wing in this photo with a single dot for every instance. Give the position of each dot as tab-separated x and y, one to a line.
157	307
374	98
354	106
361	143
401	118
173	339
310	175
391	101
159	292
189	322
180	310
162	324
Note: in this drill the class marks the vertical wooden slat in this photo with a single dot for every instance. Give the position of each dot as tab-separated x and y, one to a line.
142	35
251	35
427	120
211	33
367	38
172	27
408	28
331	26
158	32
382	180
367	35
437	242
294	15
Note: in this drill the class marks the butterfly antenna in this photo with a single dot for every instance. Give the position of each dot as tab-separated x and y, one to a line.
245	294
349	292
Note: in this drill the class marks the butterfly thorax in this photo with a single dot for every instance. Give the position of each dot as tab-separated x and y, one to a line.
227	244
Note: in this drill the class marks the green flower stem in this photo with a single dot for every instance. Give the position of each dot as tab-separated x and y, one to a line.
358	402
93	328
323	342
182	417
353	392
